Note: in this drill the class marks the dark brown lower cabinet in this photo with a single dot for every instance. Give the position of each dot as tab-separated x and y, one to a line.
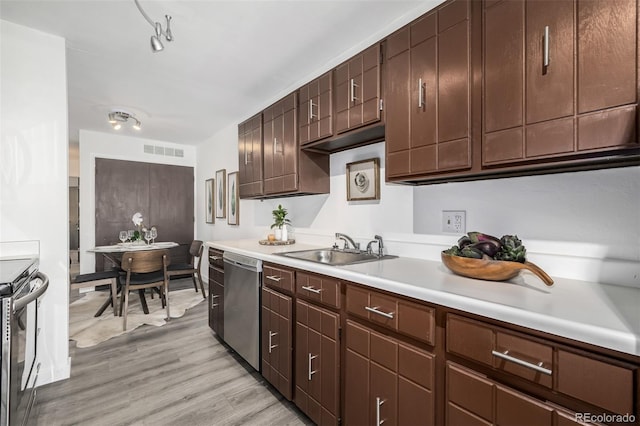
317	363
277	341
216	292
472	399
387	381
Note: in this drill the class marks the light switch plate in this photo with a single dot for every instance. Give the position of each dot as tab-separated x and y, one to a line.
454	221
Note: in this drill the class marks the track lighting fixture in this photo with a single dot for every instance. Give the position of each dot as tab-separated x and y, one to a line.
156	43
117	118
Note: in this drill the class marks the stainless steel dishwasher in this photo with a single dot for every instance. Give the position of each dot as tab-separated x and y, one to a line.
242	282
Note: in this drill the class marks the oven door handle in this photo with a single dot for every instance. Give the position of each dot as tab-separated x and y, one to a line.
35	292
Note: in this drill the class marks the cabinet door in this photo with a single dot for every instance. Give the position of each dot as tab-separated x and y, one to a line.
317	363
428	84
387	381
250	157
315	113
358	90
281	147
276	340
607	74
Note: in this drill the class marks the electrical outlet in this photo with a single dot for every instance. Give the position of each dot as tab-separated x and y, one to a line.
454	221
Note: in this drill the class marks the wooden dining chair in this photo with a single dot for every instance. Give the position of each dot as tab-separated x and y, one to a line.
95	279
193	268
145	269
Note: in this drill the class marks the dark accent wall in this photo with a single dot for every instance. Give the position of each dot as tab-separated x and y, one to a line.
162	193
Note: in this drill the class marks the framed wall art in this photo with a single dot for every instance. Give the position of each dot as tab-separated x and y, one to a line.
209	200
363	180
221	193
233	218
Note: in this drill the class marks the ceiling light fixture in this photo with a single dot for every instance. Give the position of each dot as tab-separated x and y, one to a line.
117	118
156	43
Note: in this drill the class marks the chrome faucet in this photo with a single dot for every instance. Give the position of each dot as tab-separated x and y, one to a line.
347	240
377	239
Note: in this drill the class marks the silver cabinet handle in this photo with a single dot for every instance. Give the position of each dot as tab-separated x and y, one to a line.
311	289
274	278
311	116
213	298
505	355
275	145
353	90
545	59
214	258
271	334
421	91
379	402
375	310
311	372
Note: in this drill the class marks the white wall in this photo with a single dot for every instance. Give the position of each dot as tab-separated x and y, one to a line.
34	176
120	147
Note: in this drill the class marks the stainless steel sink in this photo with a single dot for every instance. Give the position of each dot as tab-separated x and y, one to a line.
334	257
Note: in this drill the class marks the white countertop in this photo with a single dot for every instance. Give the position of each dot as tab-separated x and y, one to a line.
599	314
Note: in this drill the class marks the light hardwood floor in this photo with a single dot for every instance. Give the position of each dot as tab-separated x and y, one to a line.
178	374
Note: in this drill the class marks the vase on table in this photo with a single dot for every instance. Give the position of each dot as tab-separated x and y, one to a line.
278	233
284	236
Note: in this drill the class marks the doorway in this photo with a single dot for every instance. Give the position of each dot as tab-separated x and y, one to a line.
74	226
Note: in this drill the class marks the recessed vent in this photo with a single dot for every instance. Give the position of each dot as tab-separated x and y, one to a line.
161	150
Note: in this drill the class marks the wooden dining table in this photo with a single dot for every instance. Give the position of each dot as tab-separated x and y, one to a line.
114	254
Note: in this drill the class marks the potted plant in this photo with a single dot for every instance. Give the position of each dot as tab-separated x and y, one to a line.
280	222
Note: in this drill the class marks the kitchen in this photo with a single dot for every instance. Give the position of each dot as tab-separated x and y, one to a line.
591	232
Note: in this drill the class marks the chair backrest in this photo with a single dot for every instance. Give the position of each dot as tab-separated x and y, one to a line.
144	261
196	249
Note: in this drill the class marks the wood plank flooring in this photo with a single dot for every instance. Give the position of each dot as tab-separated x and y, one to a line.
178	374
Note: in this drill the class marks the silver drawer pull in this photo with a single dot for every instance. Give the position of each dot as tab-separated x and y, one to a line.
214	258
545	53
379	402
271	334
274	278
311	289
505	355
376	311
311	372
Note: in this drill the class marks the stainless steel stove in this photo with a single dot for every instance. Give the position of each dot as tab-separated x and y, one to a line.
21	284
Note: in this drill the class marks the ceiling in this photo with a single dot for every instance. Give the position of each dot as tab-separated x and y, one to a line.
229	59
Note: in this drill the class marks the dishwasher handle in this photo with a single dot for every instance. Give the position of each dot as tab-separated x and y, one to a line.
251	268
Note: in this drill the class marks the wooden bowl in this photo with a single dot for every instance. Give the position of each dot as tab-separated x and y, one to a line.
492	270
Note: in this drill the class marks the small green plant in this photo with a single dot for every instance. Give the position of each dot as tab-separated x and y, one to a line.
280	217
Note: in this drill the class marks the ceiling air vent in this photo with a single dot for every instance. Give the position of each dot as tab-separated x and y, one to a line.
161	150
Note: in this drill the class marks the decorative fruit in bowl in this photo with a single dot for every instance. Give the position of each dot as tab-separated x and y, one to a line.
486	257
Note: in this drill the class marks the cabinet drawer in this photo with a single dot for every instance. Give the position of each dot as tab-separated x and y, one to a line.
596	382
405	317
319	288
278	278
215	258
508	352
216	275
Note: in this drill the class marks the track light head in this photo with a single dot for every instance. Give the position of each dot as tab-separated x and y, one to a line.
118	118
156	44
168	35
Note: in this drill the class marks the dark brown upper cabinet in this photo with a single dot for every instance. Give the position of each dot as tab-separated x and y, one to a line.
250	157
559	80
427	95
316	109
358	90
271	163
281	145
